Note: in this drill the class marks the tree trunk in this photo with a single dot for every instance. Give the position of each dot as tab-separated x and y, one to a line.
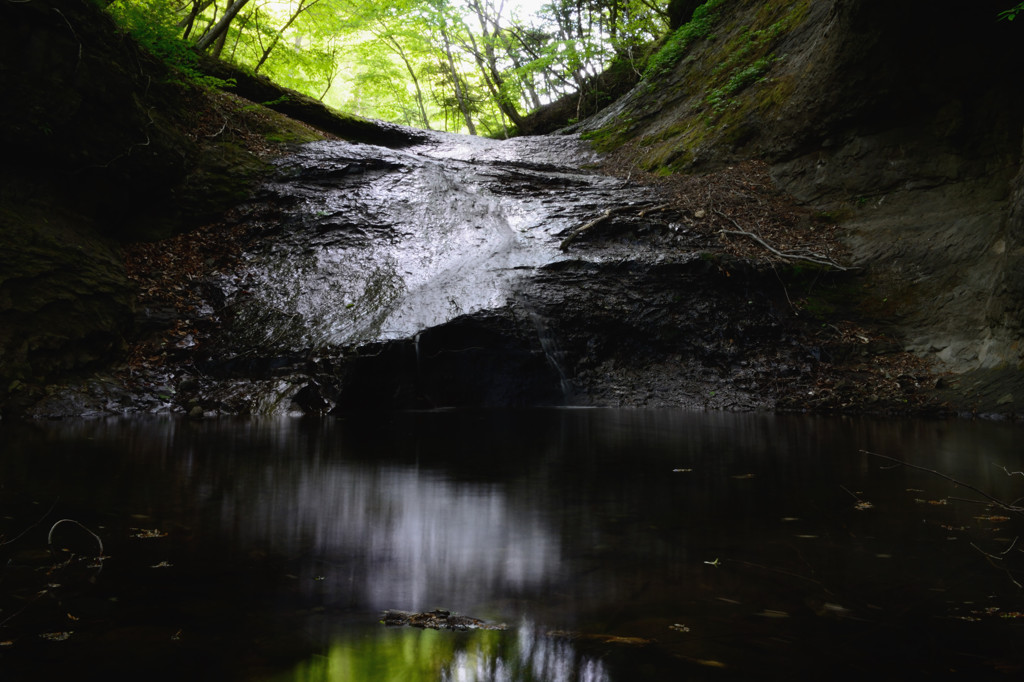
221	27
459	95
277	36
189	22
493	80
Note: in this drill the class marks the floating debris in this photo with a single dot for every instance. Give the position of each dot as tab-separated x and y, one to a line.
437	619
145	533
773	613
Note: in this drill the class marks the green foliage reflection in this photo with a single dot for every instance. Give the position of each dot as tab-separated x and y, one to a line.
413	655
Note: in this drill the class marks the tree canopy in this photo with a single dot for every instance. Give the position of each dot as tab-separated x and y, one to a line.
461	65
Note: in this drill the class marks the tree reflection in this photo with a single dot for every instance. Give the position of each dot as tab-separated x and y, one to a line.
410	655
400	537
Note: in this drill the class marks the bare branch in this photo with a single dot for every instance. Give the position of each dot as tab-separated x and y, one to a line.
996	501
801	255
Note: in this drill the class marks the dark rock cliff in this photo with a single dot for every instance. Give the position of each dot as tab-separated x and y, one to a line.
103	144
79	141
902	122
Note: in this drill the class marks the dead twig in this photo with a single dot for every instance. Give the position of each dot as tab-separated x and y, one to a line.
992	558
222	129
49	537
578	232
994	500
803	255
22	533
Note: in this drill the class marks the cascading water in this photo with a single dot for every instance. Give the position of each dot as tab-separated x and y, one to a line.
465	272
378	244
375	246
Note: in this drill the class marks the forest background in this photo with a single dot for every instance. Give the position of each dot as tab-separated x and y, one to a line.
476	66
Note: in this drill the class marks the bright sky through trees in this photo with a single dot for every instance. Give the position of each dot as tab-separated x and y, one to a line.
476	66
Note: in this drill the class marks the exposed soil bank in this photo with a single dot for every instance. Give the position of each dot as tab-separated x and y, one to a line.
868	115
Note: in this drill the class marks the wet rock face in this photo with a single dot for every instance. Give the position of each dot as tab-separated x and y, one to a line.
366	244
471	272
393	278
464	272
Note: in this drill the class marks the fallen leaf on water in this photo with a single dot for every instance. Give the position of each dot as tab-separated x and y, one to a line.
740	477
681	471
57	636
862	505
631	641
710	663
148	533
993	517
162	564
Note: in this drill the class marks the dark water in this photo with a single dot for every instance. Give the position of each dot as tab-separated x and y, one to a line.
616	545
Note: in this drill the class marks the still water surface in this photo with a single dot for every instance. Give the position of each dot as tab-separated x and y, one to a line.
615	545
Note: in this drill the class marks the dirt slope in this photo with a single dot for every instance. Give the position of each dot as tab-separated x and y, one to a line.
902	125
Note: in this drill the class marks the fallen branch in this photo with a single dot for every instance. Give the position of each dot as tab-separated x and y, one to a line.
996	501
580	231
806	257
222	129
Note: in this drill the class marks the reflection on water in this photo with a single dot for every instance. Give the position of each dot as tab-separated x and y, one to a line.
481	656
398	536
616	545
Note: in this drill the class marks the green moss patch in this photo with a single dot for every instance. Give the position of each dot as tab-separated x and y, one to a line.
721	73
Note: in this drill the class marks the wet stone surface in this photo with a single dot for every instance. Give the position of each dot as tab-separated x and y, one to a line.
467	272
